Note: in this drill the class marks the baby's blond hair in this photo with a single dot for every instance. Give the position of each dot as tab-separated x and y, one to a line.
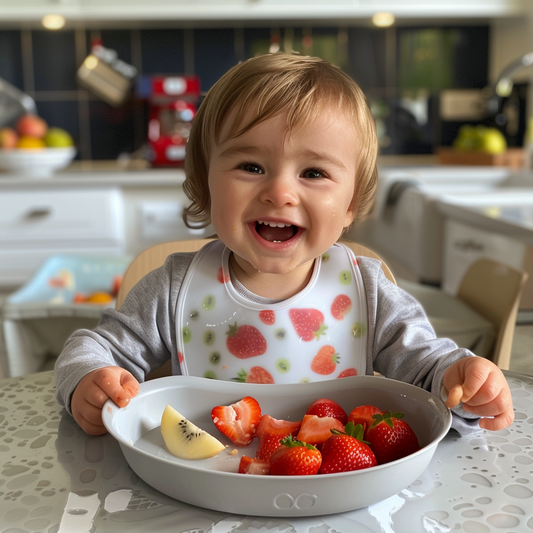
269	85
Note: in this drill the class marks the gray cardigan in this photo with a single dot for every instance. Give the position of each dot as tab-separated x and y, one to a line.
141	336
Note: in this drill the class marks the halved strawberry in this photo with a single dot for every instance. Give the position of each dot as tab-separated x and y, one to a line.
270	432
252	465
295	458
327	407
363	415
238	421
315	430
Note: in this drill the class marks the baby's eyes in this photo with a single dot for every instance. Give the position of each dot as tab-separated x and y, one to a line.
313	173
309	173
251	167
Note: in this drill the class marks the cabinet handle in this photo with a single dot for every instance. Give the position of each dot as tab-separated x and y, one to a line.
38	213
469	245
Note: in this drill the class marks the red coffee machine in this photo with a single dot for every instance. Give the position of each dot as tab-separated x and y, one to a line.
172	106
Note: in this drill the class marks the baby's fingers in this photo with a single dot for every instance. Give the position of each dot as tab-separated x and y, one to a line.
498	422
455	396
118	384
488	403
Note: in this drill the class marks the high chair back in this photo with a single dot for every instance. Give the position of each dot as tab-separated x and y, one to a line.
494	290
482	315
155	256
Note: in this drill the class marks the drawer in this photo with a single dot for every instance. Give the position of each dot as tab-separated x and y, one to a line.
40	218
35	225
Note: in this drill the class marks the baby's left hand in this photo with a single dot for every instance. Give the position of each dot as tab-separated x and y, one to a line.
482	388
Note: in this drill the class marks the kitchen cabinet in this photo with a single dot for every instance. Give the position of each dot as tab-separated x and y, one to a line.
254	10
499	230
35	224
87	212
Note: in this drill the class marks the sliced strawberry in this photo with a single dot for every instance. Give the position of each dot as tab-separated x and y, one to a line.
295	458
363	415
270	432
238	421
327	407
315	430
252	465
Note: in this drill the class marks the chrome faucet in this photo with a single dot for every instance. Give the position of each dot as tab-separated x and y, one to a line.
504	84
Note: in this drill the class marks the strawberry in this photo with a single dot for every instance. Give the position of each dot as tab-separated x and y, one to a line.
221	277
267	317
245	341
270	432
315	430
327	407
341	306
325	361
347	373
346	451
391	437
252	465
238	421
363	415
295	458
308	323
257	374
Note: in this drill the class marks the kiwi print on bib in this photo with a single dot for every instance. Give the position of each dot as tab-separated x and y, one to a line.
317	334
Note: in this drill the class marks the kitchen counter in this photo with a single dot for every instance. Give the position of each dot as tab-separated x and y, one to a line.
54	477
98	174
506	212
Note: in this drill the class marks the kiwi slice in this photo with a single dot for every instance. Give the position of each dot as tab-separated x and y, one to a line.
186	440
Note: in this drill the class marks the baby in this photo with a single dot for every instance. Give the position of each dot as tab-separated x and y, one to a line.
281	159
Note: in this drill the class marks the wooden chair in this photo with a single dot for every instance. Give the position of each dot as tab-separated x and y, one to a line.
153	258
490	289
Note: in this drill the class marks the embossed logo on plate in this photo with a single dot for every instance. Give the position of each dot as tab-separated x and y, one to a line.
302	501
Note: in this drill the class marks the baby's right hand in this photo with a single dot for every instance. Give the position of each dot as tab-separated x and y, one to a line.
111	382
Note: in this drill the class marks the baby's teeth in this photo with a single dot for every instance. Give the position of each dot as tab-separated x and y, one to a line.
274	224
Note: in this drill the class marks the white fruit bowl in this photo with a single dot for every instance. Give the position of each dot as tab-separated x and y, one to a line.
39	163
215	484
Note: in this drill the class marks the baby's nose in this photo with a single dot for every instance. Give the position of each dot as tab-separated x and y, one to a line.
280	190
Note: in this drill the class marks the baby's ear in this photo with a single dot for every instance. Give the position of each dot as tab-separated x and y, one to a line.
350	214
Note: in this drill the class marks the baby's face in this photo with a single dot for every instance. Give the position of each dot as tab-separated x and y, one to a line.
279	202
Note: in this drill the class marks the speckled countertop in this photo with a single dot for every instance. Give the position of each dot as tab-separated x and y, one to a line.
56	479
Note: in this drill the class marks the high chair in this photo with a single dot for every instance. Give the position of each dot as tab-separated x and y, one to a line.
155	256
482	316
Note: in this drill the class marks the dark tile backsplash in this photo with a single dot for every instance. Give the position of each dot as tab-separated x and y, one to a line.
390	65
54	61
11	57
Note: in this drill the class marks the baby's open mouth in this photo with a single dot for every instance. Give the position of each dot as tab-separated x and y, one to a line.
275	231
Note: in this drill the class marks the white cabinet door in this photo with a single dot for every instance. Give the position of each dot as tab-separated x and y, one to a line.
37	224
465	244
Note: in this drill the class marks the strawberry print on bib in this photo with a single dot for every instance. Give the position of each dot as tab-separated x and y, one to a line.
318	334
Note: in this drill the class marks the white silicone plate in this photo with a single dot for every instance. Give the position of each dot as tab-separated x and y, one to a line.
214	483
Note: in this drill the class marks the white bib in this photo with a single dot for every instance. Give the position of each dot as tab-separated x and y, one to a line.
317	334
